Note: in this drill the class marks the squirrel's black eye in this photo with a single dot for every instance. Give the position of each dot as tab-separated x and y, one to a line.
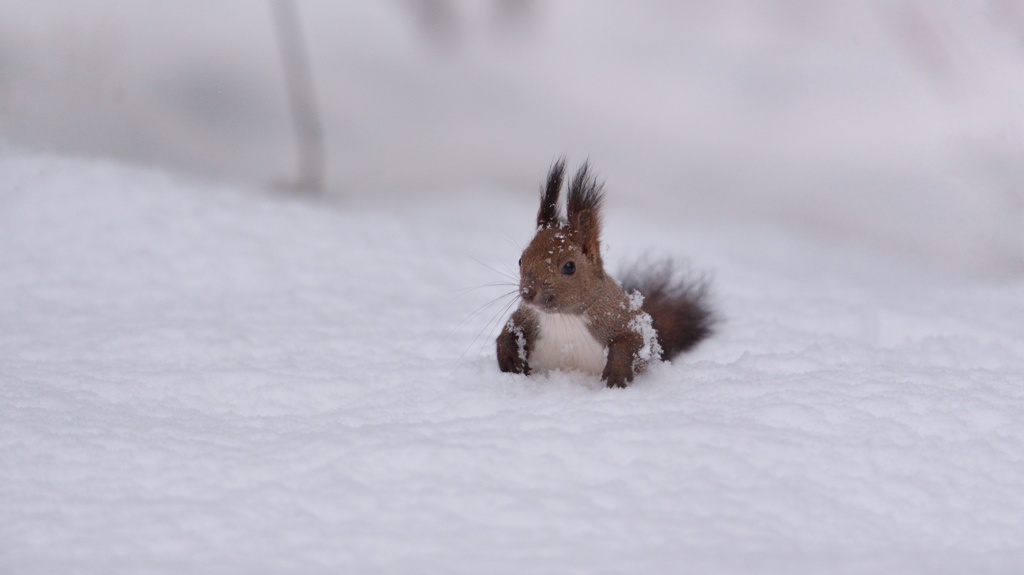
569	268
520	262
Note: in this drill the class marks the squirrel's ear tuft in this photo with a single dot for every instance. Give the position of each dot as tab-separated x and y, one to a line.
584	204
549	215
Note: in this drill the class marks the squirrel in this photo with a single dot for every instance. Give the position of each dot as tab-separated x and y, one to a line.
574	315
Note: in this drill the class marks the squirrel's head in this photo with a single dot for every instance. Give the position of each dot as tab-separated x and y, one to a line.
562	264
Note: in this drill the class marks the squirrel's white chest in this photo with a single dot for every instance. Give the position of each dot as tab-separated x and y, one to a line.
564	342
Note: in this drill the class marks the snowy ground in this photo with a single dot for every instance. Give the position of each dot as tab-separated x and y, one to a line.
199	378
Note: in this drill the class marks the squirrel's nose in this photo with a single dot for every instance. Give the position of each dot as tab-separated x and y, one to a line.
528	293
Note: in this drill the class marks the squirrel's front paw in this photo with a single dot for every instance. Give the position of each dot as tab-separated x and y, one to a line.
617	375
510	358
613	379
618	370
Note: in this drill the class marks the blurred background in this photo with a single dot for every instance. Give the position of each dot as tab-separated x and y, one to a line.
897	124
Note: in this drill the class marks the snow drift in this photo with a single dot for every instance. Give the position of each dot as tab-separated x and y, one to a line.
204	378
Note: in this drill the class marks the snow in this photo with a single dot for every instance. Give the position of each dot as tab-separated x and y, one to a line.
212	378
643	324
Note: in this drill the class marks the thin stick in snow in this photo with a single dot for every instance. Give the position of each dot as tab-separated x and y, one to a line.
301	95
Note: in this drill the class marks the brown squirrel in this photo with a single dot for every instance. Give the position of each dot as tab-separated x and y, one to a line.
573	315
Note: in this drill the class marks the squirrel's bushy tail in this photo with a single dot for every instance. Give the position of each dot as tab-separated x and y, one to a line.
675	303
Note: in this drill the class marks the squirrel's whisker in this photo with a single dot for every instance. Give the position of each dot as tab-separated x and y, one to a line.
483	307
491	323
496	320
509	277
465	291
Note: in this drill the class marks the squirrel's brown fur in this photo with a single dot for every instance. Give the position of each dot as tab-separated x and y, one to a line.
573	315
676	305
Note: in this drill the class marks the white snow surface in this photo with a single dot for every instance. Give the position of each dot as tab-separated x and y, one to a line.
200	378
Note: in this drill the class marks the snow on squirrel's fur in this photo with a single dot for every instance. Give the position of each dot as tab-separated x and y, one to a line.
642	324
